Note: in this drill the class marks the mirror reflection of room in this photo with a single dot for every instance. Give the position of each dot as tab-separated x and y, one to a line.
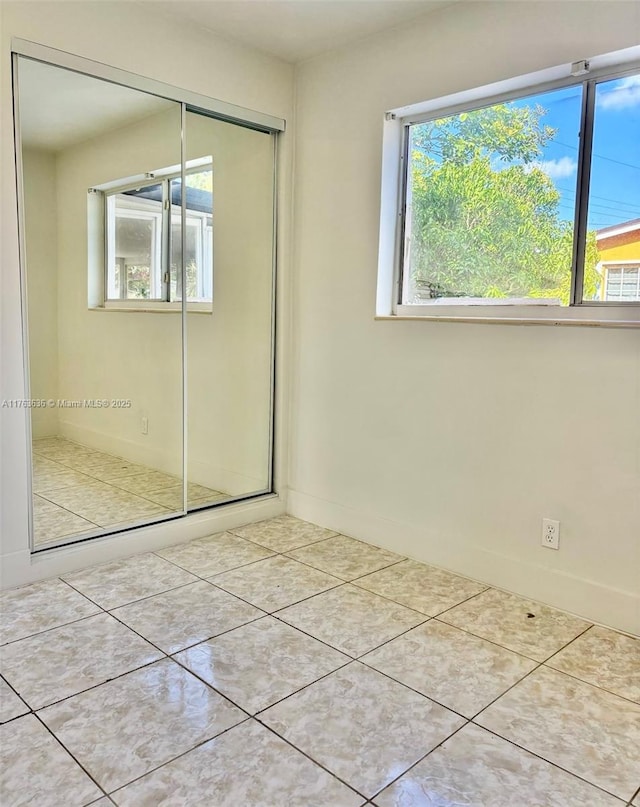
112	246
229	352
107	441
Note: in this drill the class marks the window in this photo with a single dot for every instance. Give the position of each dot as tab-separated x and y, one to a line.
621	283
143	238
523	206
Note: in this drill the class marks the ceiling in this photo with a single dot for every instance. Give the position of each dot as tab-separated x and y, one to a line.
295	30
59	108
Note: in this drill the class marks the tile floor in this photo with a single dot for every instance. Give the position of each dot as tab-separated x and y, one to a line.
77	489
282	664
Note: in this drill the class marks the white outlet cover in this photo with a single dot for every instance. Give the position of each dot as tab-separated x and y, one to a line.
550	533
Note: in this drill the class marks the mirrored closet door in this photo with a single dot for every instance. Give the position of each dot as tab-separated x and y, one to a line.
147	258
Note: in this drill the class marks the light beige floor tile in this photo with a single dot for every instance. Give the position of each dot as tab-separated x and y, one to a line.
581	728
76	459
51	522
345	557
186	615
361	726
41	464
261	663
10	704
104	504
77	495
41	443
39	607
111	469
196	495
63	478
477	769
275	582
604	658
146	481
66	660
105	801
61	450
350	619
217	553
636	801
83	461
520	625
36	770
266	773
454	668
125	581
421	587
283	533
214	498
127	727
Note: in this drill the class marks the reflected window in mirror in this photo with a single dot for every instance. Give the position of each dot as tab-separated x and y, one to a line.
142	234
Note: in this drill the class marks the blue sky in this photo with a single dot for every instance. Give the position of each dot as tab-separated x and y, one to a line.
615	174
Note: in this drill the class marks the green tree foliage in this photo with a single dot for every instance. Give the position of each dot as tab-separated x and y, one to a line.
485	219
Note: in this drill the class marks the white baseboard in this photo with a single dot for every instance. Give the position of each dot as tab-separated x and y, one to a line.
152	455
202	473
585	598
20	568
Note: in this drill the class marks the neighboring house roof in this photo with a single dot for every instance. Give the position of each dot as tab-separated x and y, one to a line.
624	233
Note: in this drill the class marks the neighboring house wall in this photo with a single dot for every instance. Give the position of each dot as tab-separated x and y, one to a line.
619	261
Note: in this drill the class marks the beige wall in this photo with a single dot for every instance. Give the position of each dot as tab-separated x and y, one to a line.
39	171
451	442
111	32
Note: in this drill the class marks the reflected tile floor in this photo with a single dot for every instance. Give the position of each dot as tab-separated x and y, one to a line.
79	490
221	672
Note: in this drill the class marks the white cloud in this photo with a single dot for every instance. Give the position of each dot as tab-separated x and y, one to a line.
556	169
626	94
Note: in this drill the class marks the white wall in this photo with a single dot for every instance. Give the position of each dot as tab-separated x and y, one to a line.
41	236
112	33
450	442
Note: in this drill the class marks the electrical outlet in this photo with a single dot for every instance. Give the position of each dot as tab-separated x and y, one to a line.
145	425
550	533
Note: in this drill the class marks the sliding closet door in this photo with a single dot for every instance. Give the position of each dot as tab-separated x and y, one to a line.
102	275
229	278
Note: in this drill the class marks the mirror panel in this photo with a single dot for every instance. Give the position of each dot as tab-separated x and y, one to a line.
105	345
229	342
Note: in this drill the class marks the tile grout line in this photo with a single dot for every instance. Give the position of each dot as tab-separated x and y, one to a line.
413	765
504	647
274	614
538	665
305	754
548	761
199	744
74	469
471	721
64	747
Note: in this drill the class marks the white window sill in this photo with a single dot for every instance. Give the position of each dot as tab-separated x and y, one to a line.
155	308
605	316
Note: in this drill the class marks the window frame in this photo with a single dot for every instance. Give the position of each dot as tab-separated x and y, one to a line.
396	168
162	177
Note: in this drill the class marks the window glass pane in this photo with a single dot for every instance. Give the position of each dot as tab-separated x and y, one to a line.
198	237
135	245
613	228
490	203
